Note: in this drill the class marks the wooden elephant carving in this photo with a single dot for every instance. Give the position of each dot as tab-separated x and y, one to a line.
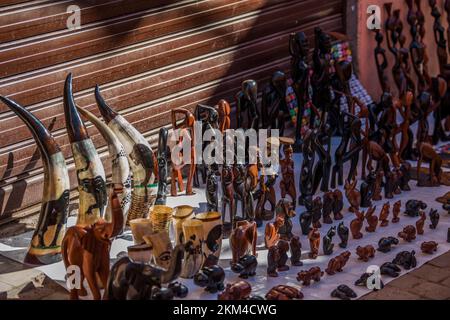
88	248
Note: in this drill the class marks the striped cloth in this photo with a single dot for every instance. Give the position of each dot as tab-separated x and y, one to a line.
291	101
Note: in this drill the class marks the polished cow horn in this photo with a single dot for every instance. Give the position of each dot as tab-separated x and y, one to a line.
120	178
45	247
140	157
90	172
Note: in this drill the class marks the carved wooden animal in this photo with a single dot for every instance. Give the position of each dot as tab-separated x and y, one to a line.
429	247
327	208
337	263
421	222
356	225
434	218
396	211
283	292
239	290
88	248
342	232
378	186
338	204
365	253
408	234
314	243
306	276
384	214
371	219
353	195
428	154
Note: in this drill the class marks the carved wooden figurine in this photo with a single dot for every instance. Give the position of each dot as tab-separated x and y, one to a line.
372	220
271	235
224	110
384	214
327	208
367	189
408	234
337	263
301	75
273	106
357	224
413	207
428	154
429	247
163	155
287	183
365	253
88	248
421	222
314	243
247	114
396	211
343	233
243	240
285	210
338	205
353	195
385	244
212	187
186	133
327	244
283	292
296	251
306	276
434	218
305	220
228	194
378	186
316	212
211	278
239	290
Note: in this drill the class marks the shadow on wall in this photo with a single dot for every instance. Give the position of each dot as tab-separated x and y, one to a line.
18	189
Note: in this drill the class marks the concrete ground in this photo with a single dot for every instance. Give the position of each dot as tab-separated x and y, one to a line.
22	283
430	281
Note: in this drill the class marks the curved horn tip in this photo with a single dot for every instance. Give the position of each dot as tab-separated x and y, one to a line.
107	112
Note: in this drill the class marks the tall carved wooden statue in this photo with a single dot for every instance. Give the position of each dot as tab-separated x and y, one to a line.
301	74
186	133
247	114
162	166
273	108
439	38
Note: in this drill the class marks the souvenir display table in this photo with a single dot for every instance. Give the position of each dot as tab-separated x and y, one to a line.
15	248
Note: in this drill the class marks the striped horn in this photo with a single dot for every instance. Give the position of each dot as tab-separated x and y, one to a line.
90	172
45	247
140	157
121	178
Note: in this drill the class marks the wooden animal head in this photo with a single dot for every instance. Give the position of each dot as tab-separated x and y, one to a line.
360	215
370	211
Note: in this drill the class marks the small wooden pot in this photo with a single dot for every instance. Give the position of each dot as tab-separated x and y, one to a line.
180	215
162	248
139	228
193	257
212	232
140	253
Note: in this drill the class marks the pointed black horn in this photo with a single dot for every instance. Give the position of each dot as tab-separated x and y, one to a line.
75	126
107	112
42	136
